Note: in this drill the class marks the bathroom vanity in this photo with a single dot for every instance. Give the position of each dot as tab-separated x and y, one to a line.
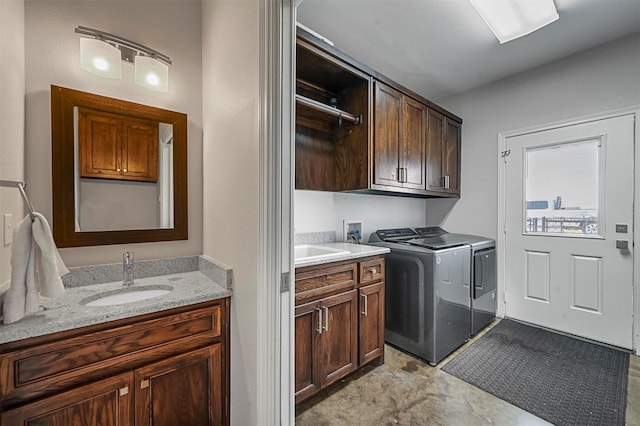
163	360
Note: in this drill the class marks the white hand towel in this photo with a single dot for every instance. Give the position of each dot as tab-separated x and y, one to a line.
36	268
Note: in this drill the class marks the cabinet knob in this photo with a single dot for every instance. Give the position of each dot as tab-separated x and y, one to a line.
374	271
117	170
125	170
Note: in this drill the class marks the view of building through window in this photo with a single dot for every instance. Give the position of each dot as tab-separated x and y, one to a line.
562	188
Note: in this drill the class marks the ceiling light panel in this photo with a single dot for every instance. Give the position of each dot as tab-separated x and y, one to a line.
511	19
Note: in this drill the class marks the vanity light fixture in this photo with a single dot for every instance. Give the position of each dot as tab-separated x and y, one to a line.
103	53
510	19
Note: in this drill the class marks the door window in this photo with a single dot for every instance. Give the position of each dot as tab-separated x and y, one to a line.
562	189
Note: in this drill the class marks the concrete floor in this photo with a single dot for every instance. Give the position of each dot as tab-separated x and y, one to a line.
406	391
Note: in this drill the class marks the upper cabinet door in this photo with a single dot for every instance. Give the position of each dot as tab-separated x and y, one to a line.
387	136
451	157
100	144
435	175
414	139
140	150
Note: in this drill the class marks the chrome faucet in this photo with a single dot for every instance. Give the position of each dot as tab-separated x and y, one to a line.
127	268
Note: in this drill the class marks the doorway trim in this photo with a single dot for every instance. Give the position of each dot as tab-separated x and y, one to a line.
275	363
634	111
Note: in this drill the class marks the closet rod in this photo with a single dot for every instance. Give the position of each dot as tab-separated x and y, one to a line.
21	186
327	109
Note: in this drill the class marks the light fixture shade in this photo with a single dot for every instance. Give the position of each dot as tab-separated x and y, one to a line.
510	19
100	58
151	74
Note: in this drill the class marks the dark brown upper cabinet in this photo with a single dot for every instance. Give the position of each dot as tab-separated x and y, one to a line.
443	154
374	136
332	121
113	146
399	140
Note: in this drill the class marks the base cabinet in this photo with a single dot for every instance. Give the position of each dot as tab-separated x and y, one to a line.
371	317
339	322
182	390
105	402
167	368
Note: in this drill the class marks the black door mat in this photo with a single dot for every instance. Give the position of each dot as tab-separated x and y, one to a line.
558	378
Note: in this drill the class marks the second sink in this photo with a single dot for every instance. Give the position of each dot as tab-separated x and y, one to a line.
304	252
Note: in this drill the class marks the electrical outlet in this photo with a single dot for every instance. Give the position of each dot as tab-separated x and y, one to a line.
8	229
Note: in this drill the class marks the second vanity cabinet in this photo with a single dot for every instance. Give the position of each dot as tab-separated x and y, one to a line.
164	368
339	321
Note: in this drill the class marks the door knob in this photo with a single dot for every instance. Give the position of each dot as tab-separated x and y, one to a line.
622	244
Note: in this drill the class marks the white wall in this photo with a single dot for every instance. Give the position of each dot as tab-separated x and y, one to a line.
231	42
318	211
600	79
172	27
11	119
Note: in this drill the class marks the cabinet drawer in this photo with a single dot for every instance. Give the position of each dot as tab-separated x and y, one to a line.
67	361
371	271
315	282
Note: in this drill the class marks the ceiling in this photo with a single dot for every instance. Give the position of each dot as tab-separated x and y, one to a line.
441	47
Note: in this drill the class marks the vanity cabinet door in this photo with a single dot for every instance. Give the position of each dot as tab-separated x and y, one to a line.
105	402
339	336
308	362
371	337
182	390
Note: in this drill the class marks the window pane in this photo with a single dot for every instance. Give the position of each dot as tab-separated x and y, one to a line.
562	189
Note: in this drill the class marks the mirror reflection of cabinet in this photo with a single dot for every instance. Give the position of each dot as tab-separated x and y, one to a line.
113	146
111	210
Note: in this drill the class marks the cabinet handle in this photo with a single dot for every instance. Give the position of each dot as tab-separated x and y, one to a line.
404	175
366	305
144	384
445	185
117	170
326	318
399	171
125	170
123	391
319	329
373	271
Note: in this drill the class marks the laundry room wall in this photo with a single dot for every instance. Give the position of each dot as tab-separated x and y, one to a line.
597	80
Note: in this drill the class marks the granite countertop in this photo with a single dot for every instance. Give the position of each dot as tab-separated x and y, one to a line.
68	311
355	251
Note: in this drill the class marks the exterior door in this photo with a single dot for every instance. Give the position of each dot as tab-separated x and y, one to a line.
569	229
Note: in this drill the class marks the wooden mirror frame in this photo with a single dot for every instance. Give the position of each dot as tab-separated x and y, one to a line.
63	101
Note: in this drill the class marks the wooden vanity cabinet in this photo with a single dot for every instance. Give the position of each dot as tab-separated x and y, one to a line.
163	368
113	146
339	322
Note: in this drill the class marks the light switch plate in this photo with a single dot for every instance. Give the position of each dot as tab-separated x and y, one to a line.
8	229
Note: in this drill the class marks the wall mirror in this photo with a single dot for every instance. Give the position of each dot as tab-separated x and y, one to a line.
119	171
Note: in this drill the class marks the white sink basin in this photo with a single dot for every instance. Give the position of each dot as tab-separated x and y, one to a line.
306	252
127	295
